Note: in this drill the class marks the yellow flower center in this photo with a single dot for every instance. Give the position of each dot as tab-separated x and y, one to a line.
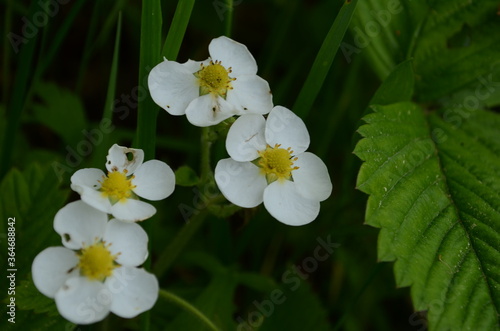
276	163
117	186
214	79
96	262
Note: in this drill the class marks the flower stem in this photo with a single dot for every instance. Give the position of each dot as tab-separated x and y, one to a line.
229	18
206	145
199	213
188	307
170	253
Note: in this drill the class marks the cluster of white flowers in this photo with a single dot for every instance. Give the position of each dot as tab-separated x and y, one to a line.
269	162
97	271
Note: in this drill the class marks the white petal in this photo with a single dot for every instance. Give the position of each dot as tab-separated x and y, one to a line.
194	66
134	291
132	210
233	54
88	177
52	267
154	180
312	179
82	301
128	240
209	110
285	128
284	203
117	159
250	95
240	182
246	137
78	223
173	86
95	199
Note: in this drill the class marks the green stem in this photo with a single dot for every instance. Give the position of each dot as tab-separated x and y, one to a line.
170	253
206	146
189	308
229	18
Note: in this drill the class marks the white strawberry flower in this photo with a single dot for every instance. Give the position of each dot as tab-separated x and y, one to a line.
213	90
96	272
118	191
269	164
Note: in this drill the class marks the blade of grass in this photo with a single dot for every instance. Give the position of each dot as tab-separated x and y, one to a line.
147	110
108	108
109	24
107	115
277	36
18	100
61	34
324	60
177	29
150	55
91	31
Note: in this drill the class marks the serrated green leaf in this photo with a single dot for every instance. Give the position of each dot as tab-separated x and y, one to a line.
60	110
453	43
185	176
397	87
32	197
29	298
384	30
435	192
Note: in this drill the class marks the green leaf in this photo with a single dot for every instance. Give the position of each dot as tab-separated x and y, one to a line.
444	66
33	198
177	29
185	176
29	298
435	193
383	30
397	87
324	59
60	110
150	55
453	43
